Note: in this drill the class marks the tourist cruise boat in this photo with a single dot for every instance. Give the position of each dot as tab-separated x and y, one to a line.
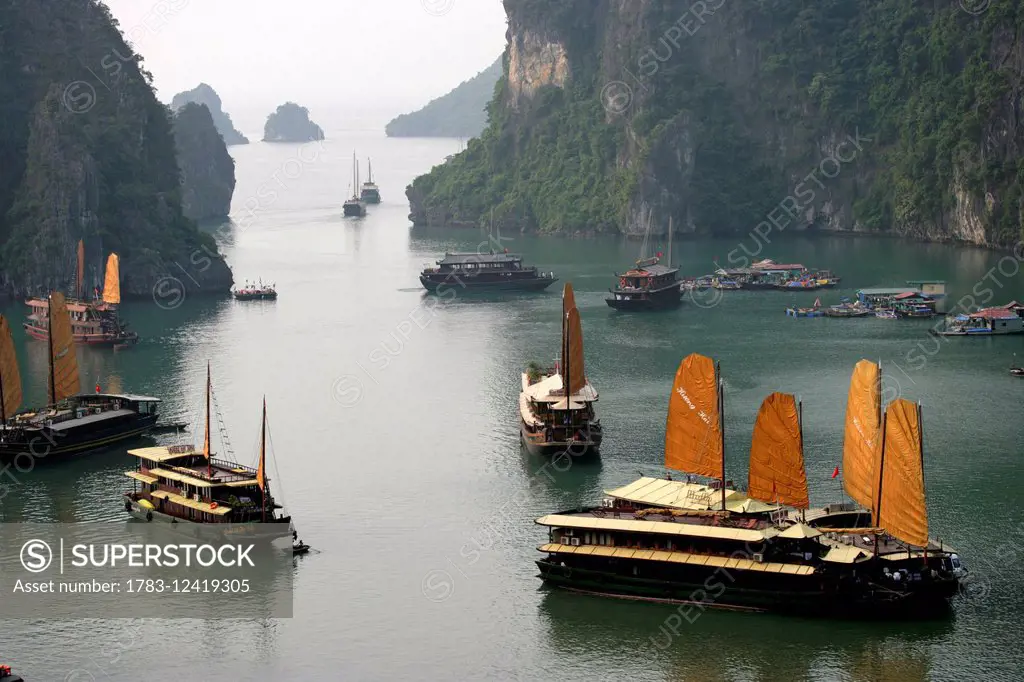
354	207
256	292
72	422
710	544
369	192
181	483
650	285
552	418
484	272
93	322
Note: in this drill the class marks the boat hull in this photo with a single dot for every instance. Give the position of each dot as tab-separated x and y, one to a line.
45	443
538	447
100	340
354	210
256	297
443	283
714	587
664	299
369	198
979	332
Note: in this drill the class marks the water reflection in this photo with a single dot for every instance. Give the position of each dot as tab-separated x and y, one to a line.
728	646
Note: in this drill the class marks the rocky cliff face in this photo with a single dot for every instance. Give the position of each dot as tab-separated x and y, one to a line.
207	170
207	96
88	153
849	115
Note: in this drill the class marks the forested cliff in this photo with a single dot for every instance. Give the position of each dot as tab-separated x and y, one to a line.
893	116
88	153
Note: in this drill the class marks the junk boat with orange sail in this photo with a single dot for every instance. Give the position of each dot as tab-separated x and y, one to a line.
554	420
763	549
180	483
93	322
72	422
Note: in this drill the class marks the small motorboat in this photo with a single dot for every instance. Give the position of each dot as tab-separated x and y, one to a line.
886	314
1017	371
7	676
805	312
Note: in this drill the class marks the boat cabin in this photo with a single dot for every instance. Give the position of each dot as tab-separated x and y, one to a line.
471	263
987	321
544	407
86	405
179	482
646	276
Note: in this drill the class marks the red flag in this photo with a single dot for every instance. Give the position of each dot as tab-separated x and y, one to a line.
659	254
835	472
98	388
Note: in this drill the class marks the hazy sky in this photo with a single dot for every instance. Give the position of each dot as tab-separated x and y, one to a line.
373	58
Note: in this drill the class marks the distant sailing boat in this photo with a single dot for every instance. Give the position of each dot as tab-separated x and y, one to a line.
369	193
93	322
557	410
661	539
354	207
73	422
182	483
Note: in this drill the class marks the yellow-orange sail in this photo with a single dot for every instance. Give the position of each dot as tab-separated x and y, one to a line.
206	436
81	268
901	509
693	435
861	442
112	283
777	454
63	379
10	376
572	353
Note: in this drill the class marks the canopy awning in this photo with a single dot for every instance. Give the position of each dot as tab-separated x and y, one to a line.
844	555
550	390
800	531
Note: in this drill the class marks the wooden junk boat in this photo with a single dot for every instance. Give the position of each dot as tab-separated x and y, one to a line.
710	544
93	322
182	484
369	193
553	420
484	272
72	422
650	285
354	206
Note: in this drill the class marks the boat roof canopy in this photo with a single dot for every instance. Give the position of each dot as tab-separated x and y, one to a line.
888	291
121	396
163	454
656	527
550	390
650	271
465	258
661	492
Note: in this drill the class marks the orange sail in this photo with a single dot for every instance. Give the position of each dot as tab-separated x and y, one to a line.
861	443
81	269
572	353
10	376
901	508
693	435
261	475
777	454
63	379
112	283
206	436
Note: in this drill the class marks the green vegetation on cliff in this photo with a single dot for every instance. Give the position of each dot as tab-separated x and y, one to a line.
714	119
88	153
460	113
290	123
207	170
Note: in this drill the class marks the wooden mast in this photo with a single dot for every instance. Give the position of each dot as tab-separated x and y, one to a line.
206	441
669	260
800	423
721	422
260	475
49	341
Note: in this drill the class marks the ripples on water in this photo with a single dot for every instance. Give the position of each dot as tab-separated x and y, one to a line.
421	475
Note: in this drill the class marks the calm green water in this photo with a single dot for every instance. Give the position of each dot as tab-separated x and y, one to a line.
394	429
